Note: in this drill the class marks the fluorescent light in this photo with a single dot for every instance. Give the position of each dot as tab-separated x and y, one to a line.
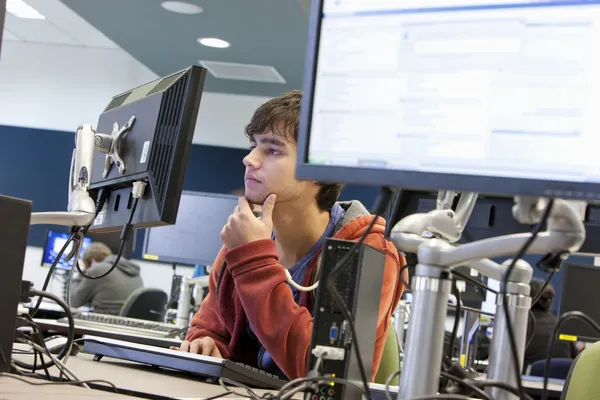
214	42
20	9
181	7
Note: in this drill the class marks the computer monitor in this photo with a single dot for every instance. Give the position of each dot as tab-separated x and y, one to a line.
113	241
196	236
580	292
161	117
472	95
2	16
54	242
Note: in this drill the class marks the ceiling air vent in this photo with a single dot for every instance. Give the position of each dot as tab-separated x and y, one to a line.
243	72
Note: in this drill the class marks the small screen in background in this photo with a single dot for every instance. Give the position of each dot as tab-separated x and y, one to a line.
54	243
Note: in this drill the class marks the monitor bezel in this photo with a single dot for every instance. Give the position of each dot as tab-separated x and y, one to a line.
410	179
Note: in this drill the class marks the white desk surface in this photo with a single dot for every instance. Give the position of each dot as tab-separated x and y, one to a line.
13	389
142	378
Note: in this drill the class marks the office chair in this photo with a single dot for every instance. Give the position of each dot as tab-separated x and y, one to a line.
145	303
582	380
559	368
390	360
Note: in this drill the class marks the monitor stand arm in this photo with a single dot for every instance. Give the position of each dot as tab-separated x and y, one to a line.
81	209
424	344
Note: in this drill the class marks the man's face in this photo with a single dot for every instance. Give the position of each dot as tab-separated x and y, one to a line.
270	168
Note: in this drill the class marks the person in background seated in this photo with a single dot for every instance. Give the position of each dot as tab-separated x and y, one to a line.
251	314
106	295
545	321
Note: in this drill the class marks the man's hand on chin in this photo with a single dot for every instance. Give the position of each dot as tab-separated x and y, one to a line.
243	227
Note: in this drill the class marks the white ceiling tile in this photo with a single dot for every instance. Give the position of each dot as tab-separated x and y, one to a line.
71	23
38	31
7	35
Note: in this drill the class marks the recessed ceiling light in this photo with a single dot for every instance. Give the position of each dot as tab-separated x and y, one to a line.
181	7
20	9
214	42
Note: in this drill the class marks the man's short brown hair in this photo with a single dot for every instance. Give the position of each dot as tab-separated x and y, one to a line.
96	251
281	115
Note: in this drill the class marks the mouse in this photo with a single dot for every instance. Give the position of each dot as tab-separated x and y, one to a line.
56	343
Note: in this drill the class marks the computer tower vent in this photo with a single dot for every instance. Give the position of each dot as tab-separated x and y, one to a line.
164	83
166	138
117	101
344	279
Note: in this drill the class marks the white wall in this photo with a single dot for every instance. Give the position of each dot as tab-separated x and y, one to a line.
155	275
59	87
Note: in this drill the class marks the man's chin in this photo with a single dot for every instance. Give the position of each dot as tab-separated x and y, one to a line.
255	198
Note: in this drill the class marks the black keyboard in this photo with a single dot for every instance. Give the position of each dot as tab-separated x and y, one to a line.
125	325
211	368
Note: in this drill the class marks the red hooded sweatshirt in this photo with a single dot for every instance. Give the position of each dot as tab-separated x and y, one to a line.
253	289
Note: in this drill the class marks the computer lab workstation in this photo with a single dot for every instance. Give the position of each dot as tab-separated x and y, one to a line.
475	118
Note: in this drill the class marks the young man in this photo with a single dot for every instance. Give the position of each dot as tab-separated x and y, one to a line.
251	314
106	295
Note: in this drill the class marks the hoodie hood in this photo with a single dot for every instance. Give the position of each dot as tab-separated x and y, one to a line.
125	266
356	219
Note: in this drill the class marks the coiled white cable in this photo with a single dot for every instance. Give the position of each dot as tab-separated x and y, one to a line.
299	287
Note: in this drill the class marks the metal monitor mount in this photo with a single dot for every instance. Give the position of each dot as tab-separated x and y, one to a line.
428	236
112	146
81	209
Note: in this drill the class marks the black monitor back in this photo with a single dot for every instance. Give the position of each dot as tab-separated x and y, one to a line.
195	238
580	292
156	149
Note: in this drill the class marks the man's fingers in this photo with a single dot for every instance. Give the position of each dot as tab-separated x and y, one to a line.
215	352
267	209
208	345
196	346
244	206
185	346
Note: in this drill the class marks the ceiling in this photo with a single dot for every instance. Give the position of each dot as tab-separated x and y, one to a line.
60	27
261	32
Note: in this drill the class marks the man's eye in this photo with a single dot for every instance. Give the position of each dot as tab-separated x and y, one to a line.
273	151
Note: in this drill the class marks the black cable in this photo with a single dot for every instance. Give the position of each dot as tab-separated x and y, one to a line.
395	205
102	198
26	339
51	271
61	382
383	200
544	286
474	281
467	384
533	326
404	282
125	235
509	327
71	332
454	334
291	384
501	385
560	322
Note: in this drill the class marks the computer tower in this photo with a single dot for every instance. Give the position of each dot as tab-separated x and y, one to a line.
359	284
15	216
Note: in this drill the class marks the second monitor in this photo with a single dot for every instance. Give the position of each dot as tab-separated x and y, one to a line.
195	237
